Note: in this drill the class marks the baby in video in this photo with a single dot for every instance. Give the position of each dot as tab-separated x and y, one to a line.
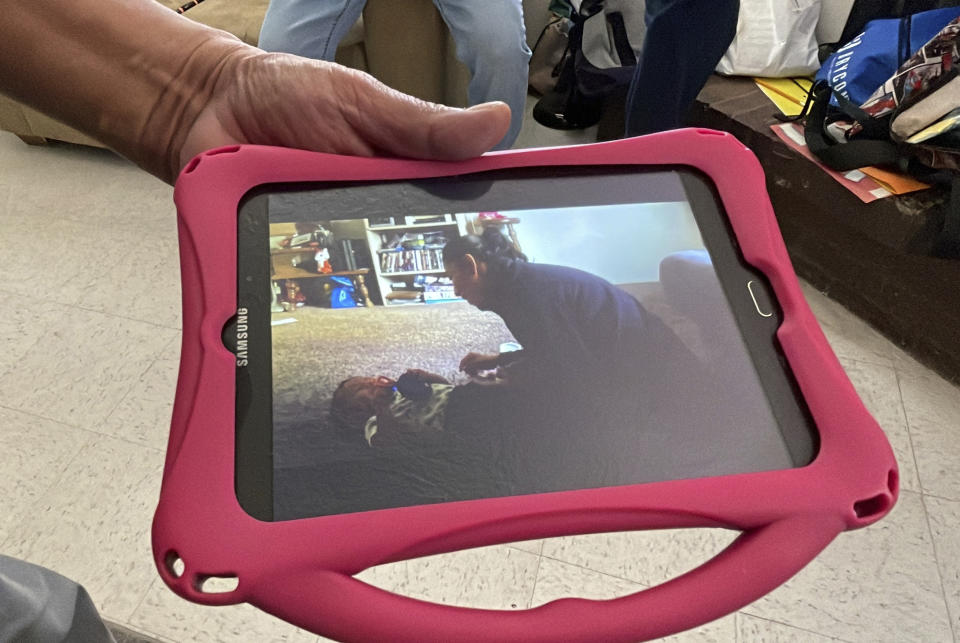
388	409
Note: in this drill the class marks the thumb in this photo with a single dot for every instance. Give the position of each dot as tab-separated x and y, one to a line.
406	126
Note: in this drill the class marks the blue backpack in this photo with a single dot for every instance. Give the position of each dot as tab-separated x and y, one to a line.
920	94
860	66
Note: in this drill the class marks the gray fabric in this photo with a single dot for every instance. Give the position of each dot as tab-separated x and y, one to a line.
598	44
40	606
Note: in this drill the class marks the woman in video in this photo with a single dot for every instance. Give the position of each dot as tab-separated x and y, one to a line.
559	413
584	380
582	337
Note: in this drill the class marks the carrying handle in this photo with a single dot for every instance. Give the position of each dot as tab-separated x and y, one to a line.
755	563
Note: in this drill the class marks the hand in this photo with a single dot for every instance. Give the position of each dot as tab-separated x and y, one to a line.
473	363
160	88
427	376
281	99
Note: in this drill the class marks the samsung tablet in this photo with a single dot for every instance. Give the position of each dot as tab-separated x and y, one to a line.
385	359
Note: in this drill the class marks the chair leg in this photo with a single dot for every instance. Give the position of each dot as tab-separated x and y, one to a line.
29	139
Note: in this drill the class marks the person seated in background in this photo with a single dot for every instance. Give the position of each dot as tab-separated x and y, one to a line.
490	38
684	42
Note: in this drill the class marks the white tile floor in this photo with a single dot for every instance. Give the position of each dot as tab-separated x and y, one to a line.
89	323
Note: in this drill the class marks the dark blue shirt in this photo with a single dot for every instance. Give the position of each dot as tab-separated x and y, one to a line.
575	327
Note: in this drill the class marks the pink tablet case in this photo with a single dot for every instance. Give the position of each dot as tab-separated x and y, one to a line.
302	570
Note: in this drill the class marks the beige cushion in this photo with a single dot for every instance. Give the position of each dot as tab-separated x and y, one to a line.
242	18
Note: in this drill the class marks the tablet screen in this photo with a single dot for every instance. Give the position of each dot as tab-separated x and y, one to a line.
506	333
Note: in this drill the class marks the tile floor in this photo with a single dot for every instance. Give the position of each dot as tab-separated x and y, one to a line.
89	325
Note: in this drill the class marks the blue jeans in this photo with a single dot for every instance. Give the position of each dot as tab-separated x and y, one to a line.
685	40
490	37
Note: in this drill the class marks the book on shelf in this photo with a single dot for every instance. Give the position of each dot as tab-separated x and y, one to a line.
438	289
437	295
399	260
420	289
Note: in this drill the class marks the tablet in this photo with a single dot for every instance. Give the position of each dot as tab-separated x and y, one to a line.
385	359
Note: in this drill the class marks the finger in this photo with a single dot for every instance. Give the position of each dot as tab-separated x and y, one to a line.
406	126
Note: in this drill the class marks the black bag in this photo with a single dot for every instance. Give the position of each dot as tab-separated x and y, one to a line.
566	106
547	55
612	36
613	30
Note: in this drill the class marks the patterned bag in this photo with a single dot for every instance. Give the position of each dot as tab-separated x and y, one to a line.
911	121
914	114
922	100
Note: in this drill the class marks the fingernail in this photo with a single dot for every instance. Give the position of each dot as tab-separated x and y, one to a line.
487	107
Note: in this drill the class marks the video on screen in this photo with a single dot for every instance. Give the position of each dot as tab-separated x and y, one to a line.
455	356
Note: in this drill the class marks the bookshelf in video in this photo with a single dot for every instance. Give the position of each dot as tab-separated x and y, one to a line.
408	256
